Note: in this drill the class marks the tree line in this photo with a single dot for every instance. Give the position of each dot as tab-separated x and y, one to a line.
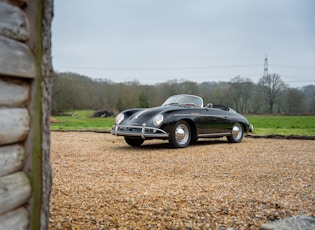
72	91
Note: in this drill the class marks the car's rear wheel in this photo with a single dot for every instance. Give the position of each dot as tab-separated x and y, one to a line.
180	135
134	141
236	134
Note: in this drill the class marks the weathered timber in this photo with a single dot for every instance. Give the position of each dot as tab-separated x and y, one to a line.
15	189
13	94
11	159
20	3
40	14
14	125
16	59
16	219
13	22
25	91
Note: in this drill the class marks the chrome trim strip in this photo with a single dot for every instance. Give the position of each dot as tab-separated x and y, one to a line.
214	134
204	115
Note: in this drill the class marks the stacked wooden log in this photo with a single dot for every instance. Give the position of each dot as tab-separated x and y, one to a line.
21	70
16	62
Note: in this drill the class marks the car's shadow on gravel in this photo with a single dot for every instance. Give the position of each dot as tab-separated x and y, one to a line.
165	145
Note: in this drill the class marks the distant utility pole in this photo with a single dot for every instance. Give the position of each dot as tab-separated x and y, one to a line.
266	66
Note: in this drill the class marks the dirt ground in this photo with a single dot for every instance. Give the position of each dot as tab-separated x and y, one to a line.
99	182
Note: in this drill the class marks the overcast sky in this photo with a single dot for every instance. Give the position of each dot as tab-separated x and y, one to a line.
154	41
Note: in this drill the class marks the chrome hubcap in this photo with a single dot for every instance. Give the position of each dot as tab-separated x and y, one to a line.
237	131
182	134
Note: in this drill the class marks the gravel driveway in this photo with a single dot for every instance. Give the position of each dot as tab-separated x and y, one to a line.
99	182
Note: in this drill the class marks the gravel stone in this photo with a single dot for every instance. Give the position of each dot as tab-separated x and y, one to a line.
99	182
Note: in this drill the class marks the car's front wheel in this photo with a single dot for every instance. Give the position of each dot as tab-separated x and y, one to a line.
236	134
134	141
180	135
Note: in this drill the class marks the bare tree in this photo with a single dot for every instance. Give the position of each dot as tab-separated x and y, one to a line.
309	93
312	103
73	91
272	86
258	104
220	95
293	101
240	91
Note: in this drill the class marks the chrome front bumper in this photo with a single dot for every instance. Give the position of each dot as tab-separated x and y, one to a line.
138	131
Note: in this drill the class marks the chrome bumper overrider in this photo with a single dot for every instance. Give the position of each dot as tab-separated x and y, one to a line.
251	128
138	131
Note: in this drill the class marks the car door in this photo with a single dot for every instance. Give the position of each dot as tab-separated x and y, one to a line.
213	121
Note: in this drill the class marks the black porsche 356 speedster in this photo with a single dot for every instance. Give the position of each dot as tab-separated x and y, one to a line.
181	119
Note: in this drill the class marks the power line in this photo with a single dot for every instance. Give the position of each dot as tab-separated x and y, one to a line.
294	67
161	68
302	81
188	67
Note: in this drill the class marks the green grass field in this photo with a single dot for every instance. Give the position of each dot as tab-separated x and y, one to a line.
263	125
81	121
283	125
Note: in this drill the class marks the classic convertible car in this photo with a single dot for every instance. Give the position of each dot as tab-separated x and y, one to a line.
181	119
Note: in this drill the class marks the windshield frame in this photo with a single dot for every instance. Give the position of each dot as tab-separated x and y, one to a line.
184	99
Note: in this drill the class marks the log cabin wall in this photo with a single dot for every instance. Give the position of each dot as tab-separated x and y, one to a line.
25	83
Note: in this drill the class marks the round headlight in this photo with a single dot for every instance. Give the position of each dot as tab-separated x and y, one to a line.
158	119
119	118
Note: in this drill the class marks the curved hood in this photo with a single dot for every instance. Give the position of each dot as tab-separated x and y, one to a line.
146	115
